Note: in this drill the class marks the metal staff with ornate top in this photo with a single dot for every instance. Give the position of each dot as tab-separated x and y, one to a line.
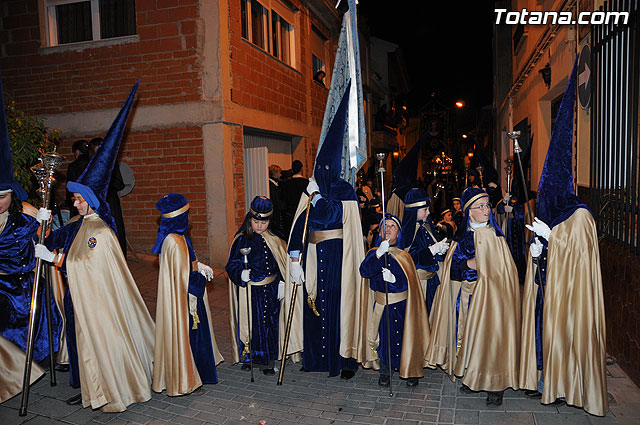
381	169
287	333
514	135
247	347
44	173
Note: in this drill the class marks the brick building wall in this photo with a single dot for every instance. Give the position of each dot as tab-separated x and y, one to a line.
165	57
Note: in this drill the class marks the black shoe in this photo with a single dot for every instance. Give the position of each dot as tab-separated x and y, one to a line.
558	402
346	374
494	399
302	369
412	382
532	394
465	390
245	366
199	391
62	368
383	381
75	400
269	371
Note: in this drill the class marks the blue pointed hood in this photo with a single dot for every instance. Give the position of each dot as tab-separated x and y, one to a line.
329	158
94	181
7	178
406	172
556	199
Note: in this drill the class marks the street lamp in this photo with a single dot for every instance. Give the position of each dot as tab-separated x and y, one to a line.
460	104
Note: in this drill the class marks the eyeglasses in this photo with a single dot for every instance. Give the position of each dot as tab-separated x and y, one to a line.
482	206
74	199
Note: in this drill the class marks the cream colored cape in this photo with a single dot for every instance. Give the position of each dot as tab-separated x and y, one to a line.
416	333
395	206
489	355
238	306
352	256
114	330
12	360
173	364
574	332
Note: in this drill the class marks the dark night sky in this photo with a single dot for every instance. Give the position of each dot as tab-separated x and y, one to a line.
447	46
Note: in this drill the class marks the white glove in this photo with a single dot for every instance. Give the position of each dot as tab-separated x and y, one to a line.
280	291
540	228
245	276
43	253
296	273
43	215
312	186
439	247
383	248
388	276
205	271
508	208
535	248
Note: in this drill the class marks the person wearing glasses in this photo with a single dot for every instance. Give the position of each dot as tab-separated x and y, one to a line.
475	319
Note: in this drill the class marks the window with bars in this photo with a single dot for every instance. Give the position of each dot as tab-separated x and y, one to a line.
269	26
615	128
76	21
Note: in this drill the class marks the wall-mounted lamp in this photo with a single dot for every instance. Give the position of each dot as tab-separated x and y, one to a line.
546	75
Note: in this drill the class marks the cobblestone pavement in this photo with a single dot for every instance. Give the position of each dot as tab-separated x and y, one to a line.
311	398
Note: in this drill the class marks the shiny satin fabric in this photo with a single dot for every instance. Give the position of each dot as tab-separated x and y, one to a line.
352	256
174	368
574	332
12	360
416	333
238	306
488	358
113	327
58	290
395	206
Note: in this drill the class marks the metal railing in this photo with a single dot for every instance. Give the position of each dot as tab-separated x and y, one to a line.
615	88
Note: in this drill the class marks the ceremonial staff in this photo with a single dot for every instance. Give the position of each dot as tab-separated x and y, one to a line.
294	294
247	348
509	170
516	149
381	157
44	173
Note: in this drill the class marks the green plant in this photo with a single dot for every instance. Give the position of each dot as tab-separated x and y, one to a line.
28	138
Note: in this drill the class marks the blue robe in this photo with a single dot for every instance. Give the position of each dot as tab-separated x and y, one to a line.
321	334
425	260
265	306
371	268
514	233
200	338
17	262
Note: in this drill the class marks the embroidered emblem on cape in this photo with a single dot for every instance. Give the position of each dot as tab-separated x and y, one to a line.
92	242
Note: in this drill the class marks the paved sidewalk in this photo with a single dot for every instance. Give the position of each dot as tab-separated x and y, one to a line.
311	398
